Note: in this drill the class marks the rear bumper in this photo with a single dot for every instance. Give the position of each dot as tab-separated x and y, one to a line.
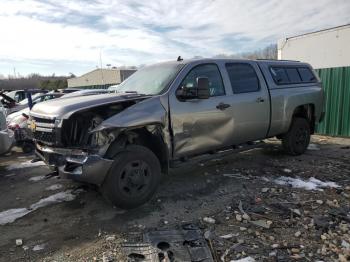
80	167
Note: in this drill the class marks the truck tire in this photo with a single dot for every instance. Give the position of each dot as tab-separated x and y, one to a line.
297	139
28	147
133	177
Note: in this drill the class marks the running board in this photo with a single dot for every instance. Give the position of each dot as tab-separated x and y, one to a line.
219	153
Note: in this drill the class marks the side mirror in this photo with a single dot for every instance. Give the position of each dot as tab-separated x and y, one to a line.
203	91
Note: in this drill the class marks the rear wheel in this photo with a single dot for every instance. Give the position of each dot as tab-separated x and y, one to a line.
133	177
297	139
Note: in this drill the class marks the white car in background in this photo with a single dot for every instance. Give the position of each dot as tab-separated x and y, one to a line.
113	88
6	135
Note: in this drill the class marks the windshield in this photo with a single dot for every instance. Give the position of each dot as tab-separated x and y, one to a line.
11	94
150	80
34	99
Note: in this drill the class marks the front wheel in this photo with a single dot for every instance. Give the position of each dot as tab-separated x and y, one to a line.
133	177
297	139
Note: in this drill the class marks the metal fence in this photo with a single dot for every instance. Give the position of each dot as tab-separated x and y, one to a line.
336	84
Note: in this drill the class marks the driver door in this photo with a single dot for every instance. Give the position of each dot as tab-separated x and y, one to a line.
201	125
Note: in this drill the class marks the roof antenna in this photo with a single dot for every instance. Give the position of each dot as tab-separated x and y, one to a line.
179	58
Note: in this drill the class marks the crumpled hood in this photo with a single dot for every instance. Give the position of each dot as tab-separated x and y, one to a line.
62	108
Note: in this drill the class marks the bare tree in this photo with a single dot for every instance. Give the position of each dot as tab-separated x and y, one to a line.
269	52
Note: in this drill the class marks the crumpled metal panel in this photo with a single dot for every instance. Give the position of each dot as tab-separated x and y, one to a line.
193	133
144	113
336	84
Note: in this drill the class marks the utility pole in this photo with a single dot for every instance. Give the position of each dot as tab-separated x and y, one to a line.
103	82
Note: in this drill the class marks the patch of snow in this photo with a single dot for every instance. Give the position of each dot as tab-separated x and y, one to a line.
246	259
39	247
286	170
56	198
54	187
310	184
36	178
11	215
25	165
10	175
313	147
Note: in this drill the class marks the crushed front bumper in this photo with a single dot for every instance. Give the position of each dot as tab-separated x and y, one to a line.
75	164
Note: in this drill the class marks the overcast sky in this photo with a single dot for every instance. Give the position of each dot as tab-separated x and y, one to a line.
62	36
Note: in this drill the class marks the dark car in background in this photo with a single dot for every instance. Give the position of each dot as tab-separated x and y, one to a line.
19	95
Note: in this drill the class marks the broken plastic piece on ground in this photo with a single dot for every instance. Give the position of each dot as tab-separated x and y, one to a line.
262	223
184	244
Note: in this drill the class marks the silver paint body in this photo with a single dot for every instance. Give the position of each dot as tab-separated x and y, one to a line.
196	126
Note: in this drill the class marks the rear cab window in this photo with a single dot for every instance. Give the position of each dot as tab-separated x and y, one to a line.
283	75
243	78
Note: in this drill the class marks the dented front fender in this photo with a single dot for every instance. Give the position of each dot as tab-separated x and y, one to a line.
146	112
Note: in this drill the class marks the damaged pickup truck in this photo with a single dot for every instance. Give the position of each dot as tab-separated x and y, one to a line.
170	112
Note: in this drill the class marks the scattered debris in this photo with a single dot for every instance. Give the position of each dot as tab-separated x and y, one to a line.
228	236
39	247
265	189
236	175
182	244
36	178
19	242
229	250
110	238
54	187
239	217
262	223
297	234
209	220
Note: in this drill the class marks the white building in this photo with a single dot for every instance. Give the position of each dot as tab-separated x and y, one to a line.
322	49
100	78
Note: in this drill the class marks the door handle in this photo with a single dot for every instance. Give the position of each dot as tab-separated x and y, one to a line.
260	100
222	106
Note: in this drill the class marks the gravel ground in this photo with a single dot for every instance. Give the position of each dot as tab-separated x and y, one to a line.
260	204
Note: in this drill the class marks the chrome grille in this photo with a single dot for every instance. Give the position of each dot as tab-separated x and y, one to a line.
43	129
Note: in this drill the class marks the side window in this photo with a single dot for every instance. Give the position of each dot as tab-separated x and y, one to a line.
211	71
306	74
17	97
49	97
279	75
293	75
243	78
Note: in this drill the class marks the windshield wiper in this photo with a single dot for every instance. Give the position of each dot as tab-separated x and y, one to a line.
134	92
